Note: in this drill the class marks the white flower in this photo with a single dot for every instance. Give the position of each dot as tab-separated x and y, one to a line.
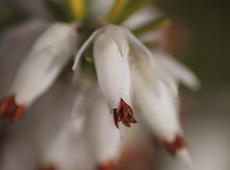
68	151
111	55
102	136
47	58
67	148
154	83
158	101
97	144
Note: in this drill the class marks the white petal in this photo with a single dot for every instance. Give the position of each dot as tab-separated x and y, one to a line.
184	156
28	32
159	108
118	36
44	63
112	67
84	47
68	151
178	71
138	47
103	136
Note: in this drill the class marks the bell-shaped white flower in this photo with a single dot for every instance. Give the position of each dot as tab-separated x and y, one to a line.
158	102
47	58
68	151
111	51
102	136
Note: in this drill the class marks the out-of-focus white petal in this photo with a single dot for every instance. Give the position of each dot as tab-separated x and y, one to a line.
26	33
136	46
176	70
100	8
48	56
28	139
184	155
159	109
78	115
103	136
69	151
143	16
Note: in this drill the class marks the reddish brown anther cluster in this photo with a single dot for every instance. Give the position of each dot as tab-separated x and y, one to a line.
50	167
177	144
124	114
110	165
9	109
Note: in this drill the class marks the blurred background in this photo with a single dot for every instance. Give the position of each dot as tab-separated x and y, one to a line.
198	37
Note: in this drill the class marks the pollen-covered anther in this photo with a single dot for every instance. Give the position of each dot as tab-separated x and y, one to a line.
124	114
177	144
110	165
9	109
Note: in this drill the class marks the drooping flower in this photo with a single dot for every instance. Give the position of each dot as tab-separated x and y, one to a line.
47	58
159	102
95	143
118	54
67	151
111	56
102	136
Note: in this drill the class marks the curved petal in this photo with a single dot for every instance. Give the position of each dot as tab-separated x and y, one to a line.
138	46
84	47
178	71
118	36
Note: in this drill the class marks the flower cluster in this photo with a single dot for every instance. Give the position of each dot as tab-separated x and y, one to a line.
131	80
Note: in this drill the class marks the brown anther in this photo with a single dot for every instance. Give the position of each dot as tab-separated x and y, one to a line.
110	165
49	167
124	114
177	144
9	109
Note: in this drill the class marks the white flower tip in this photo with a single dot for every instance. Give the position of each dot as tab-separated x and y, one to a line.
74	66
184	156
122	131
196	85
191	80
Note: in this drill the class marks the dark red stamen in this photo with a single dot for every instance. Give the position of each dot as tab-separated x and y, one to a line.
110	165
124	114
9	109
177	144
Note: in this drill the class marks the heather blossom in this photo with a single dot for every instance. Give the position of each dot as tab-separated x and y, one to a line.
156	96
44	63
111	53
130	78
